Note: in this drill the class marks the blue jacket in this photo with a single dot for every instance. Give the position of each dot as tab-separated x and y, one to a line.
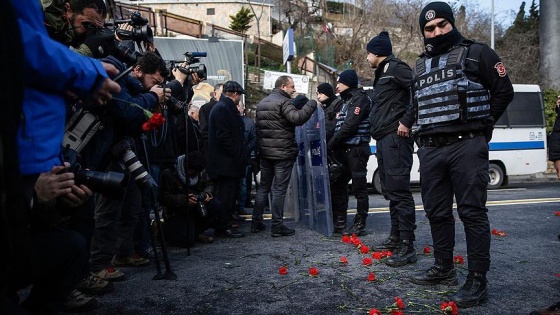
50	69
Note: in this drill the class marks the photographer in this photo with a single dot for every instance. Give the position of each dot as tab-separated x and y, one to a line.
77	24
202	206
116	219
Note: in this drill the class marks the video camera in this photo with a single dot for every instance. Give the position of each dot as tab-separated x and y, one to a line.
190	58
141	31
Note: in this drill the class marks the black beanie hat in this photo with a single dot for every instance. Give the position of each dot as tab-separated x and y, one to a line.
435	10
300	101
326	89
380	45
349	77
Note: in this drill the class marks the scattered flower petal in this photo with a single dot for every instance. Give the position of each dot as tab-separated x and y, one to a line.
313	271
283	270
458	260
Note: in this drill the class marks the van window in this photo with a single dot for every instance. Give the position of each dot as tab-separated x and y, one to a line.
525	110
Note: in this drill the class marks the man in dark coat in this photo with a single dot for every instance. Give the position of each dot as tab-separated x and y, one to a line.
226	150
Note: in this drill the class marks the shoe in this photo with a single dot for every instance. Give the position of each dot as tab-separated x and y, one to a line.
93	285
77	302
391	243
340	231
109	274
473	292
231	233
236	217
242	211
132	261
257	226
436	275
358	228
205	239
282	230
551	310
405	254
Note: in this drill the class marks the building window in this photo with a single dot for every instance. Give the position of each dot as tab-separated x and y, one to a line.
210	11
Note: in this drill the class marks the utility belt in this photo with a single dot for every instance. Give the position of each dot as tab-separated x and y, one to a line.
444	139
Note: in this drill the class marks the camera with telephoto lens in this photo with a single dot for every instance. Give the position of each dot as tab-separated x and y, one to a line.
123	150
201	204
141	31
109	184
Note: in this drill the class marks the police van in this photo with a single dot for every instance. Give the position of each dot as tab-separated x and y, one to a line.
518	145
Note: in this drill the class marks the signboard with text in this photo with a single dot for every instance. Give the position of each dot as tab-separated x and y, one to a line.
301	82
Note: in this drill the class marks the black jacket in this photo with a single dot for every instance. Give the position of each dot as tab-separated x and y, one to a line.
358	111
276	121
203	116
554	139
484	67
391	98
226	142
331	107
172	192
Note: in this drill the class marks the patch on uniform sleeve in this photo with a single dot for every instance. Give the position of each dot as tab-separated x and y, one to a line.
357	111
501	69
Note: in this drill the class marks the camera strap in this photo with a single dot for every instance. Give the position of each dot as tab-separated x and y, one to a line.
80	129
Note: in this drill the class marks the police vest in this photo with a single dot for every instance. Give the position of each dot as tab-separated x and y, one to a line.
362	134
445	94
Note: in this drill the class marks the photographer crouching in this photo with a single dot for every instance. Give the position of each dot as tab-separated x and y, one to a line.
116	219
199	202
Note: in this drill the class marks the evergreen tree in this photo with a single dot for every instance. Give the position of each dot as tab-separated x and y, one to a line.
241	22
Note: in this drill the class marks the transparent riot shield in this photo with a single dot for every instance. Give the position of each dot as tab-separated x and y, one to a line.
314	193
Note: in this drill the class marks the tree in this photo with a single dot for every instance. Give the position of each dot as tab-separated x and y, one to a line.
241	22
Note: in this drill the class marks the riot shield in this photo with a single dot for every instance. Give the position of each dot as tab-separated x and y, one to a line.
314	193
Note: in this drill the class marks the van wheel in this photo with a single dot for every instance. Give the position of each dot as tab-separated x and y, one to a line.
376	182
496	176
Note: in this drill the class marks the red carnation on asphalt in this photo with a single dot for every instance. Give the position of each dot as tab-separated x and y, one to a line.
458	260
371	276
377	255
427	250
283	270
364	249
313	271
449	308
374	311
346	239
396	312
557	213
367	261
498	232
399	302
343	260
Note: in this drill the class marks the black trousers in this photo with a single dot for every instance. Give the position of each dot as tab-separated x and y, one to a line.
354	159
394	162
458	170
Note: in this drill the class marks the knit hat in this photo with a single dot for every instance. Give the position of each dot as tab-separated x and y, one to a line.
349	78
327	89
300	101
435	10
380	45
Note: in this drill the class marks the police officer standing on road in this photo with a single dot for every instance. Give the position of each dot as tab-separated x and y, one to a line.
461	88
350	146
391	119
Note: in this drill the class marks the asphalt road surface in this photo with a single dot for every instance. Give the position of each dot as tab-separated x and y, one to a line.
241	276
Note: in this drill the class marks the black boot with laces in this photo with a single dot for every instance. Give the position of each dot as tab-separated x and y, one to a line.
442	272
405	254
473	292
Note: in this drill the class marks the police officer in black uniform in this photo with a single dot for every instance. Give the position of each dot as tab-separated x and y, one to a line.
350	146
391	118
460	89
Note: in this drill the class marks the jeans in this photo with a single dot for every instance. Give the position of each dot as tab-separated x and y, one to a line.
275	177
